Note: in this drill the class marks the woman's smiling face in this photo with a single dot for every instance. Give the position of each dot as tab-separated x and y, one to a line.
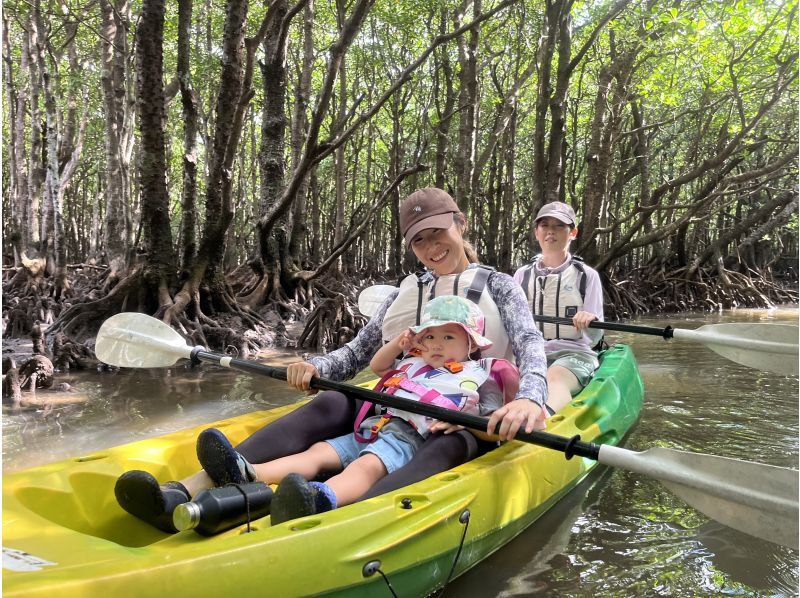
441	250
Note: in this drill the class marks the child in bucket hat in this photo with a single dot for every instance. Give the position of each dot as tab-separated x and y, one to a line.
442	311
437	367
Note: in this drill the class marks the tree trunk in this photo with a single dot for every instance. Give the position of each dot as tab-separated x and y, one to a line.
272	245
464	160
339	163
612	96
299	130
443	78
553	185
507	214
548	39
188	234
62	146
219	210
115	233
152	159
35	161
18	233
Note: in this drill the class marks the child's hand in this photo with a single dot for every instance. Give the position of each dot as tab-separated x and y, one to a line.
405	341
447	428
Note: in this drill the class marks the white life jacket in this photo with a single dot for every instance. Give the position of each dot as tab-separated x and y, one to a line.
415	293
560	295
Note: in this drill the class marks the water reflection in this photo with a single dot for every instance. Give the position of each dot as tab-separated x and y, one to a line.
628	535
617	534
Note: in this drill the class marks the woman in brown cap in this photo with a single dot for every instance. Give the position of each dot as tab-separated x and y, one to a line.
433	227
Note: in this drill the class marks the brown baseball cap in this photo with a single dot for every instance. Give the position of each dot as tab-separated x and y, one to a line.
559	211
426	208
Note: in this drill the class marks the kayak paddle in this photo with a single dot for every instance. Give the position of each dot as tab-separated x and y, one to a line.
759	345
769	347
758	499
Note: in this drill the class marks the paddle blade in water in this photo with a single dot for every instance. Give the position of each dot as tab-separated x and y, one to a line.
769	347
371	298
758	499
133	340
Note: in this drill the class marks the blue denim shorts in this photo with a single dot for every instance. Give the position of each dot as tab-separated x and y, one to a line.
394	452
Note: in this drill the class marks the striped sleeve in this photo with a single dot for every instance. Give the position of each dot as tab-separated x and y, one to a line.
344	363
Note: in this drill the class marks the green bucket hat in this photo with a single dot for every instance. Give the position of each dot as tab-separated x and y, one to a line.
455	310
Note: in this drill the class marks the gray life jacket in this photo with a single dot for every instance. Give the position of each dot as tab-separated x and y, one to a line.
560	294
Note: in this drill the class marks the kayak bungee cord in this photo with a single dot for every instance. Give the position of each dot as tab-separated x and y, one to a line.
463	519
373	567
246	504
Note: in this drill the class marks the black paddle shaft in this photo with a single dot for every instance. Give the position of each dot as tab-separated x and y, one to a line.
568	446
662	332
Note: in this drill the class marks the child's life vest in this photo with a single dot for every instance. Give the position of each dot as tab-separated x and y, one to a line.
454	386
559	295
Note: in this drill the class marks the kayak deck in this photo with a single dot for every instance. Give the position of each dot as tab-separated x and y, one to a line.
64	532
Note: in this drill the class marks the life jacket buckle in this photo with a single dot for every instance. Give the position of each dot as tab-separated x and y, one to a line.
394	381
381	422
453	366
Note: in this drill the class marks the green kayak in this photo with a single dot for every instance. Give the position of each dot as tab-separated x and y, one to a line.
65	535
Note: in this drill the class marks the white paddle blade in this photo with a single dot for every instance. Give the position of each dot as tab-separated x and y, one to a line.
133	340
769	347
371	298
760	500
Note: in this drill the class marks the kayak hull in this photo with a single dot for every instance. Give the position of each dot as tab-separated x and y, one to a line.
64	532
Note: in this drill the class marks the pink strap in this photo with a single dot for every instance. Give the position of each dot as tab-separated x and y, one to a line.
426	395
507	377
367	406
362	415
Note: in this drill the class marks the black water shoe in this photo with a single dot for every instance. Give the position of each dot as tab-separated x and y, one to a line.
294	498
223	464
140	494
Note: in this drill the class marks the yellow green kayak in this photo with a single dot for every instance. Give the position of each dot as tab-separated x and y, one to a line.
64	533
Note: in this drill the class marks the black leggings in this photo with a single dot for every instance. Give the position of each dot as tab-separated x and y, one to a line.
331	414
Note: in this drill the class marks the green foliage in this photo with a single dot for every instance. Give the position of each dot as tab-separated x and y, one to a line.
702	71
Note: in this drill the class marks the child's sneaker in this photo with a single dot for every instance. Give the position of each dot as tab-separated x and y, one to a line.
293	498
223	464
140	494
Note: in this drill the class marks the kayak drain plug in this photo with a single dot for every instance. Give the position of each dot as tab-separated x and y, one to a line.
405	503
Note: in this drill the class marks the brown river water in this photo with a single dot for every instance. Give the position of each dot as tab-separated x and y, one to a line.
617	534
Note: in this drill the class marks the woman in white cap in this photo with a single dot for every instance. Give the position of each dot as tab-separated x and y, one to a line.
433	227
559	284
